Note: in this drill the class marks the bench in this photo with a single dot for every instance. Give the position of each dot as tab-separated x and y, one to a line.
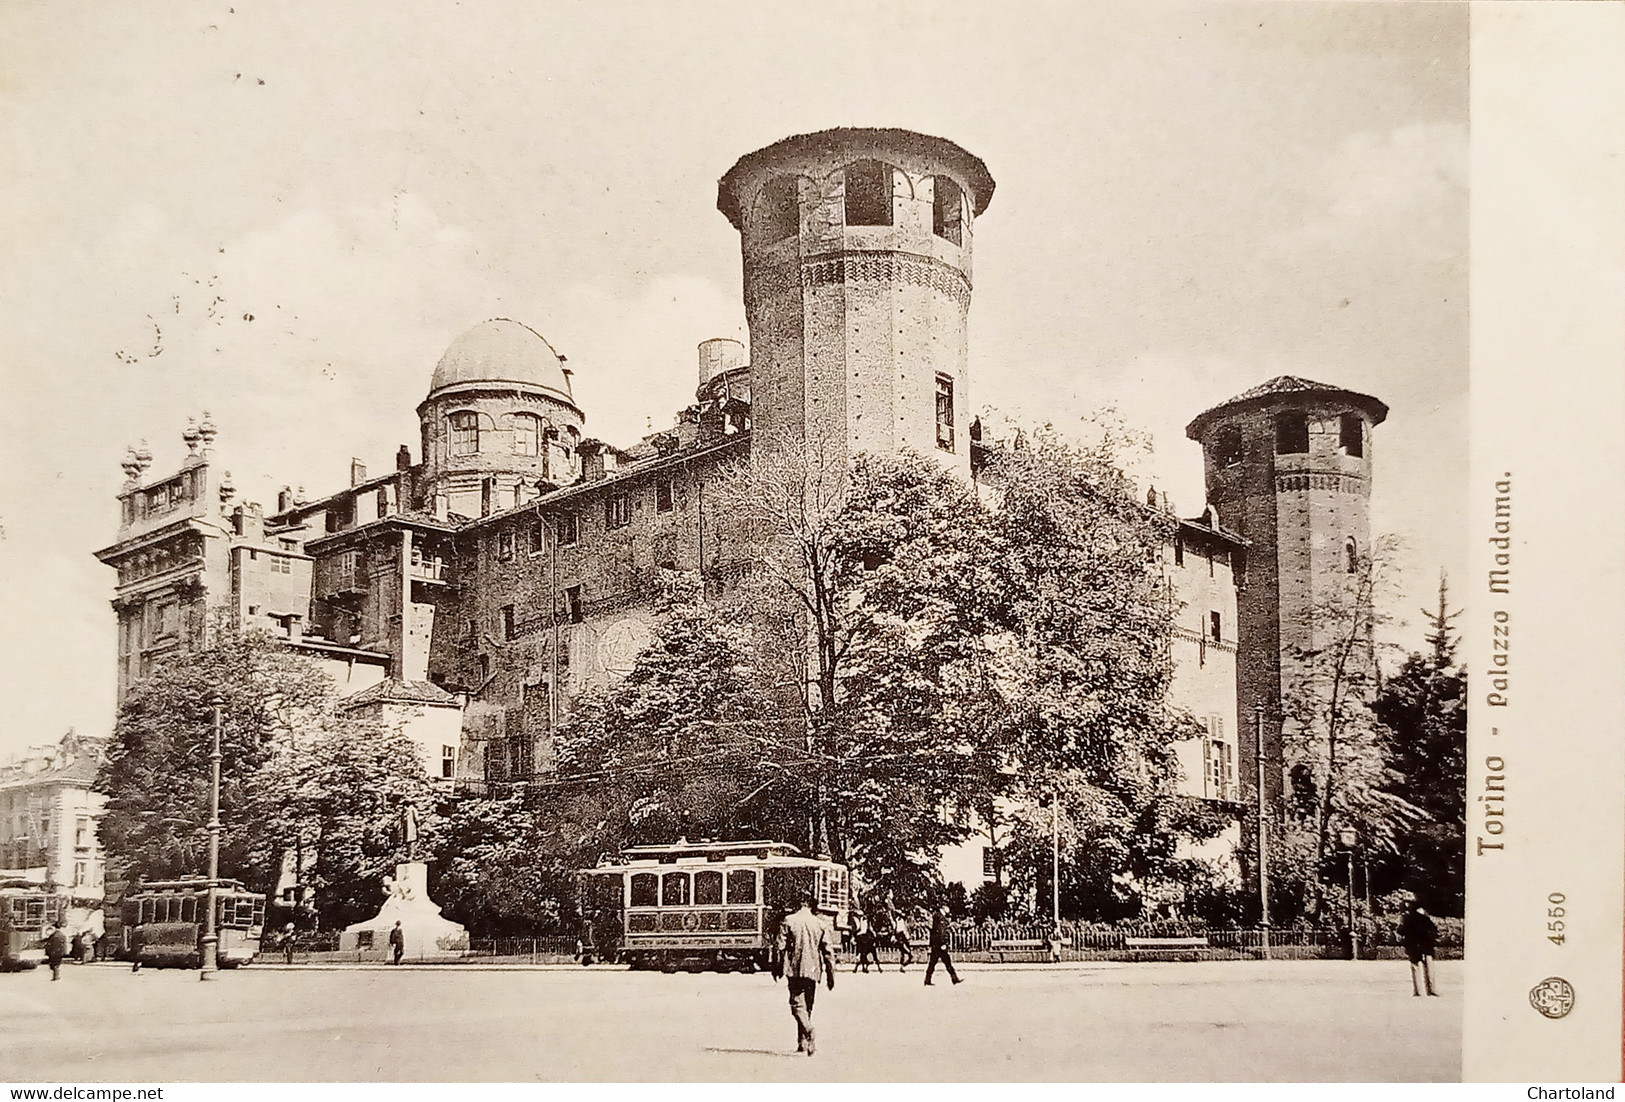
1018	945
1165	944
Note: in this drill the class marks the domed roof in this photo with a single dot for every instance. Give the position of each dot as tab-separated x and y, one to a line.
502	351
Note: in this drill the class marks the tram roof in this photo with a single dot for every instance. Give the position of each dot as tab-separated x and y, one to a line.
686	853
712	849
197	884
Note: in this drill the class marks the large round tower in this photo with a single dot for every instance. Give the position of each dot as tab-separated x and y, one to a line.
1288	466
499	419
857	280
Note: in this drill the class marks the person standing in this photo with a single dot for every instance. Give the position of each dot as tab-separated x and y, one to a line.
288	934
1420	936
865	938
941	938
902	935
803	955
397	941
56	947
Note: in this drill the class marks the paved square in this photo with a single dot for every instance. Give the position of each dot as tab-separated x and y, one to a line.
1293	1021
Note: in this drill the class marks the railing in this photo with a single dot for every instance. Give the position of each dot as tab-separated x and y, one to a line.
1234	943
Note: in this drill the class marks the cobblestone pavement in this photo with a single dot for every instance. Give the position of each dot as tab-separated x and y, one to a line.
1293	1021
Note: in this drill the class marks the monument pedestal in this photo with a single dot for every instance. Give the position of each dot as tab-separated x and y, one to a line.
429	934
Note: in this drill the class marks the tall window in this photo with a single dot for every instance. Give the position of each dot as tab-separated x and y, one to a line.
780	213
1227	448
575	609
465	432
505	542
1291	433
868	194
448	762
538	536
507	622
1215	627
527	433
1351	556
945	413
617	510
1351	434
663	495
947	210
569	530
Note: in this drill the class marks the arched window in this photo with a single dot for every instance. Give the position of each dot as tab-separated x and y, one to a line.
527	433
947	210
1351	434
465	432
1351	556
779	214
1227	450
868	194
1291	433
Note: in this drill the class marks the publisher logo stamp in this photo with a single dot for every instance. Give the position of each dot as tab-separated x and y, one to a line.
1553	997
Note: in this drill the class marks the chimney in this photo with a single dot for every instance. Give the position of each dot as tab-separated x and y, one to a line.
358	471
284	499
592	459
403	458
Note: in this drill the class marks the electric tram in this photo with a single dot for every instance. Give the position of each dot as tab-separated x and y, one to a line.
704	906
27	910
164	919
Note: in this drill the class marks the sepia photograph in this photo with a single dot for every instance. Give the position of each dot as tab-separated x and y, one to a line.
719	542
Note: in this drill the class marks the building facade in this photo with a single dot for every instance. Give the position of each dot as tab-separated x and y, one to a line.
478	590
48	817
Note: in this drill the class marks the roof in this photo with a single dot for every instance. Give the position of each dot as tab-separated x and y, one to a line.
73	761
859	140
502	350
394	691
1283	387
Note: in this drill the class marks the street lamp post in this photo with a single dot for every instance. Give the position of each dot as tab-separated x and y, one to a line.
211	936
1348	837
1263	834
1055	861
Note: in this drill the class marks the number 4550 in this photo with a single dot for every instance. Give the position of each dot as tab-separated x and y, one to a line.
1554	914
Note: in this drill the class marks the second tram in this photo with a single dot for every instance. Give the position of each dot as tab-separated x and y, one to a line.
27	911
163	922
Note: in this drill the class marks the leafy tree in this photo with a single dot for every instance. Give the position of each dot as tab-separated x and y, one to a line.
296	772
505	870
914	727
1091	665
1424	707
1334	746
340	788
156	775
670	749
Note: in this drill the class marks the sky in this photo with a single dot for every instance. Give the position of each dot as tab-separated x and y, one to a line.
283	214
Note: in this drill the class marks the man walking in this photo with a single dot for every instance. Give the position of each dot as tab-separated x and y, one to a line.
1420	936
804	954
941	937
56	947
397	941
